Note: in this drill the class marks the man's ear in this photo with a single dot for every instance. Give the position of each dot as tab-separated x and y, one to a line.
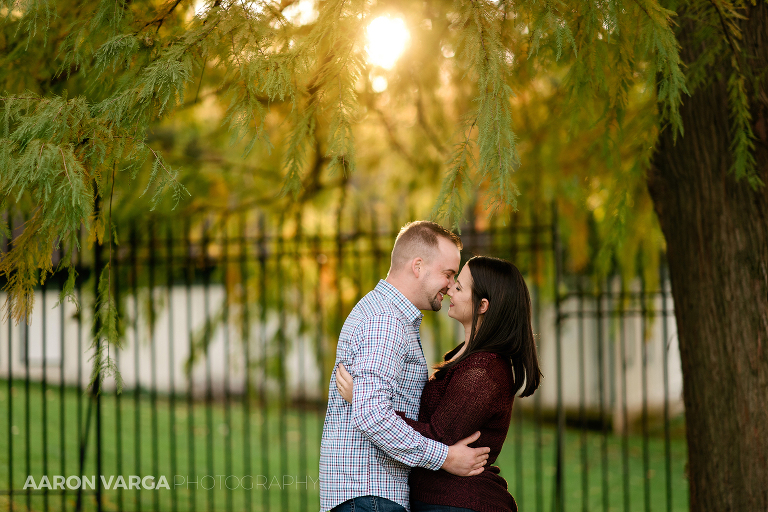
417	267
483	306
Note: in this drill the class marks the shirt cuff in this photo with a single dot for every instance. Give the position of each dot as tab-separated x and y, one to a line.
435	454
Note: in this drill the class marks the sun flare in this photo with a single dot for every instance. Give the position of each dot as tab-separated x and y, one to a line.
387	38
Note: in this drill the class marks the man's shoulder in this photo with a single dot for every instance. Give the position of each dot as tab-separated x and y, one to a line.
374	311
375	304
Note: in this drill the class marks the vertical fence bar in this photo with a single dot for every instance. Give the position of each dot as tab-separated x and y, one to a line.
136	360
437	336
559	472
357	257
624	411
96	386
582	402
538	420
208	378
82	440
153	356
519	458
665	356
490	234
339	273
79	288
601	395
283	426
320	259
62	408
376	250
188	276
171	358
517	410
27	407
246	340
302	409
227	383
10	389
118	403
644	357
44	384
264	355
439	341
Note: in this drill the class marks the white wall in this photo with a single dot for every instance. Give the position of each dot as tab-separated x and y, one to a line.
168	345
170	338
584	372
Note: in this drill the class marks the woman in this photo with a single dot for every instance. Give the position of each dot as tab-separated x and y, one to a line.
473	389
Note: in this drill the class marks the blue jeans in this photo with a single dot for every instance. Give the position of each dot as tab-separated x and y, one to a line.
420	506
368	504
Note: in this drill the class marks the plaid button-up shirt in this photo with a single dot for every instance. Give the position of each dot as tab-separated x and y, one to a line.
366	448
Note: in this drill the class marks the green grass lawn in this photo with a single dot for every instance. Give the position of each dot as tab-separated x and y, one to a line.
280	449
589	483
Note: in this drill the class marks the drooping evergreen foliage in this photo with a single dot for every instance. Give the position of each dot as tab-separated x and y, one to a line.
493	83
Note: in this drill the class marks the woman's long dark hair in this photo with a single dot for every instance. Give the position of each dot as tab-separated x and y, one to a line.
505	328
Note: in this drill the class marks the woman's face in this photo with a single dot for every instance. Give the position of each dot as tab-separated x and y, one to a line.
460	293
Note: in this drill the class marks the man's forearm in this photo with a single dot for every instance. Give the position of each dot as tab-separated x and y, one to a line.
384	428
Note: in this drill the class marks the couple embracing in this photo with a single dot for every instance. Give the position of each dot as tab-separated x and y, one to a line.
394	440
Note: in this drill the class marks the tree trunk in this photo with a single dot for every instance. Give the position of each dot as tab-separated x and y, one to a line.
717	247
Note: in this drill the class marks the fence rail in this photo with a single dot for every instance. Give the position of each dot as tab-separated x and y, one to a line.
229	329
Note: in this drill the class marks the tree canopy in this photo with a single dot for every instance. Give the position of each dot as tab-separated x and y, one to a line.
85	85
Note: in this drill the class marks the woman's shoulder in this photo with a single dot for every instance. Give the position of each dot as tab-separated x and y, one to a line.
493	370
478	364
483	357
490	362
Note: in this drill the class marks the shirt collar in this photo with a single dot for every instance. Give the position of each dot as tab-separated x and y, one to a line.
397	299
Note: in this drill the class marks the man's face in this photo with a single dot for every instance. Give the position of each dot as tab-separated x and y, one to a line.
439	273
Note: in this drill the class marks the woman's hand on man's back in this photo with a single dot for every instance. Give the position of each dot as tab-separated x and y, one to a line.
344	383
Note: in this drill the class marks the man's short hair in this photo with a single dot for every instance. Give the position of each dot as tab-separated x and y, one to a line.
419	239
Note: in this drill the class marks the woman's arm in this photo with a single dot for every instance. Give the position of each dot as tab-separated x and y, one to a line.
345	387
468	403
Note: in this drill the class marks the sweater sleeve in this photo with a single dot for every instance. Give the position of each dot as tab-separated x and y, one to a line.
470	400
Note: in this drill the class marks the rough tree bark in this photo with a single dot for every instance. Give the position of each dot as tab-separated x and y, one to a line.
716	231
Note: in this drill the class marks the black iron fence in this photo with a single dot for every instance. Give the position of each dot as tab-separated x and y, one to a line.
229	327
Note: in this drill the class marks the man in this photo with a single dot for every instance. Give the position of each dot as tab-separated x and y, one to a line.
367	450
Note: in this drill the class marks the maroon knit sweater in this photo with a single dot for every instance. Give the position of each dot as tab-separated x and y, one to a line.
476	394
